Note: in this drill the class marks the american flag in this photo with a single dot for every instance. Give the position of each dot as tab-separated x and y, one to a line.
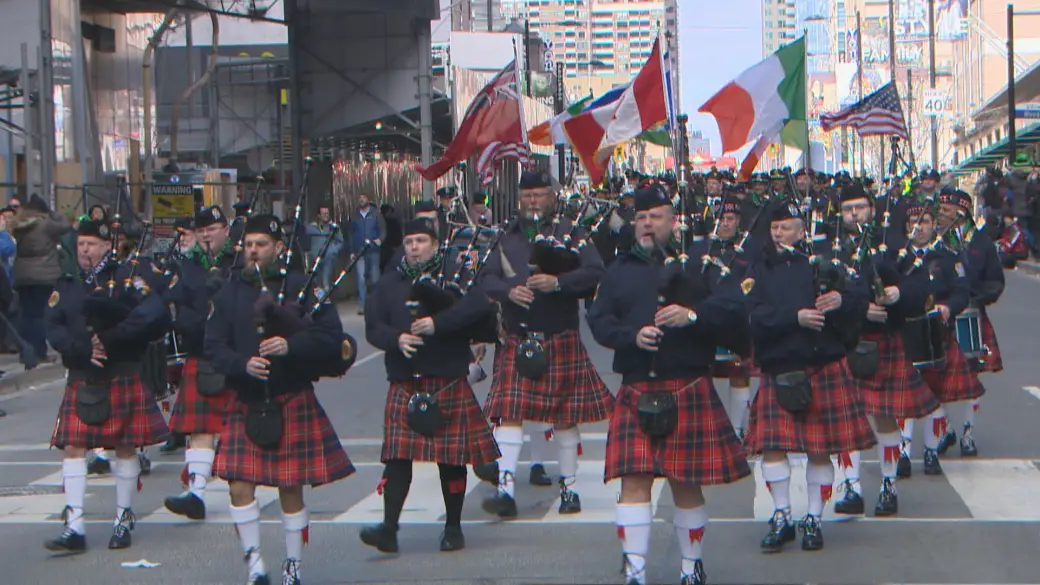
879	114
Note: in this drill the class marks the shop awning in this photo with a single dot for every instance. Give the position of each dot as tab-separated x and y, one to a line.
995	153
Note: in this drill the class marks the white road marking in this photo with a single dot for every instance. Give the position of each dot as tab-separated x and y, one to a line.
1001	490
424	504
1033	390
218	502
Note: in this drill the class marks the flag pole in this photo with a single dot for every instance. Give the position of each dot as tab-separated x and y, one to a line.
859	83
807	156
520	102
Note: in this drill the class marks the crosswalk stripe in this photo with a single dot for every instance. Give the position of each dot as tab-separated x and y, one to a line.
1001	490
218	503
424	504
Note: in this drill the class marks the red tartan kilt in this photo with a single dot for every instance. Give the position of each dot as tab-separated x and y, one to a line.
835	422
135	420
992	362
194	413
466	438
310	452
702	450
897	389
569	393
954	380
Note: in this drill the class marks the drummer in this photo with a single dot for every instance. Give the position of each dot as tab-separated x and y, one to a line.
946	371
986	279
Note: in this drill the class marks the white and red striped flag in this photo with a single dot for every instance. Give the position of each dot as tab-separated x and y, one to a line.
493	124
878	114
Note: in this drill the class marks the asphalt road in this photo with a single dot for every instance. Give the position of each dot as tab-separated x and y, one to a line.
980	523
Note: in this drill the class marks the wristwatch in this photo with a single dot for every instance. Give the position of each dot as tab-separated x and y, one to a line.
692	316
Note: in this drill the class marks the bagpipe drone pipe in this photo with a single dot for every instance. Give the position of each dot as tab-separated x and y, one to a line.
559	252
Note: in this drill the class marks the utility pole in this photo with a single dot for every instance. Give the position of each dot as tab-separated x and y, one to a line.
1011	83
931	83
859	93
892	38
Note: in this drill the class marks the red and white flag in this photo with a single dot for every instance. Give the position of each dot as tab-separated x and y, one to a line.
493	125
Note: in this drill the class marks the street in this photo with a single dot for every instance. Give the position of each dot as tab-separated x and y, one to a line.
979	523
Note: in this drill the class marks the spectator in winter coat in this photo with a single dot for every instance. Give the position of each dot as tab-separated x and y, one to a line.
367	226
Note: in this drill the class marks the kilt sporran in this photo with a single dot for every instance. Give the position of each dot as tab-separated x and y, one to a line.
94	403
207	381
531	362
658	413
794	391
864	360
265	424
424	415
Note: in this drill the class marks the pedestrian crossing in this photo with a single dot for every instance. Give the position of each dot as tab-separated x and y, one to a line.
971	490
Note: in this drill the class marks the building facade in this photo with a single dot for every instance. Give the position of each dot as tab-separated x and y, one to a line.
778	24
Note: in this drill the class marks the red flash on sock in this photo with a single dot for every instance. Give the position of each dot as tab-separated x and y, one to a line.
457	486
621	533
579	450
380	486
769	486
184	476
140	484
939	426
696	534
844	461
306	535
826	491
975	407
891	454
549	434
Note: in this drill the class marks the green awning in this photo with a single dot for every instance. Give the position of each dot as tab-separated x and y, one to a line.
999	151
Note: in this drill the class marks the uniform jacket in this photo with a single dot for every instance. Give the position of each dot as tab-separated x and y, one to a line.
190	292
943	277
982	265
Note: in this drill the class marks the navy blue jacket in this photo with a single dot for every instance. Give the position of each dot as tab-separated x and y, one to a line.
943	277
627	300
446	353
737	262
190	291
982	264
232	338
778	286
69	326
550	313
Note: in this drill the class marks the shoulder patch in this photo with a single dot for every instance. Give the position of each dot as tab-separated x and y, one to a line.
347	350
173	281
747	285
959	268
53	301
211	309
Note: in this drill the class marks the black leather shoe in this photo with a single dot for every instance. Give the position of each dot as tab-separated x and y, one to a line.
698	577
781	532
888	500
812	534
69	543
188	505
452	539
570	503
948	440
173	444
968	448
97	465
487	472
852	503
121	533
931	462
539	477
501	504
380	536
904	468
291	572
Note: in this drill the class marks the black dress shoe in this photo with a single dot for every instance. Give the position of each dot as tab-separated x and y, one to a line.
968	448
452	539
69	543
948	440
538	476
852	503
698	577
98	465
570	503
888	500
501	504
781	532
380	536
487	472
904	468
931	462
291	572
812	534
173	444
121	533
146	464
187	504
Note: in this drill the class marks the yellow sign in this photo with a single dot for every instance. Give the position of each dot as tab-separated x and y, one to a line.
173	205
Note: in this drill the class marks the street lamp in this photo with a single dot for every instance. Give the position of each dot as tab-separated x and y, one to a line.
1011	14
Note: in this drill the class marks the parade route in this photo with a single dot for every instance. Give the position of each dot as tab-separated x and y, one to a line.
978	523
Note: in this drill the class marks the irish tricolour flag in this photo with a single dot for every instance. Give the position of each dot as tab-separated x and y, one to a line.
763	101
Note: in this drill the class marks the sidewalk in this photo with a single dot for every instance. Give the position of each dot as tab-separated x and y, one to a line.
16	379
1029	267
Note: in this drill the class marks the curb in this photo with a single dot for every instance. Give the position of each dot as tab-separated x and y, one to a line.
1030	268
29	380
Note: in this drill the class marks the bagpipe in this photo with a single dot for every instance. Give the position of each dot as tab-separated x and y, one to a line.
559	252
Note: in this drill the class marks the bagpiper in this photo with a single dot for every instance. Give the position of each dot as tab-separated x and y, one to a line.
800	311
276	432
101	322
663	324
543	372
431	412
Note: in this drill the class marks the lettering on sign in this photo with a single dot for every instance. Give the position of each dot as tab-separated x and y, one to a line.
936	102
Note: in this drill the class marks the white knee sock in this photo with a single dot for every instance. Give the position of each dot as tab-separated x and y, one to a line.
888	454
690	524
540	446
510	440
127	472
740	405
907	436
567	442
851	471
200	469
778	478
633	527
296	527
935	428
74	479
819	480
247	524
970	408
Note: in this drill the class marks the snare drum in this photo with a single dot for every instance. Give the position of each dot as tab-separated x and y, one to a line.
969	332
725	356
924	338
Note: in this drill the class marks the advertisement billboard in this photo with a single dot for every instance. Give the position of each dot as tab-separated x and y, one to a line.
950	19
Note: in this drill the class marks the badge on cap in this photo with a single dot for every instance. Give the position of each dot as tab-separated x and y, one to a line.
53	301
103	231
959	269
216	213
747	285
274	227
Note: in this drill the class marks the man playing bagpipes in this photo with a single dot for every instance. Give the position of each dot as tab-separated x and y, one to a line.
889	385
664	326
929	336
271	344
804	314
543	266
419	319
202	398
101	322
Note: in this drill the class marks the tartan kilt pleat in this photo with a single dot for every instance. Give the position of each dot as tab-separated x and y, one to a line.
194	413
993	362
135	420
897	389
702	450
835	422
310	453
955	380
466	438
569	393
